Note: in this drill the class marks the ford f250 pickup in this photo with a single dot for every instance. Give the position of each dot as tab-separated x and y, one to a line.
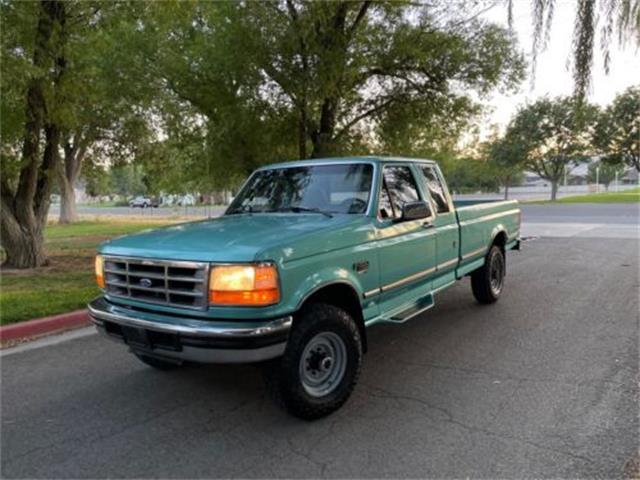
308	255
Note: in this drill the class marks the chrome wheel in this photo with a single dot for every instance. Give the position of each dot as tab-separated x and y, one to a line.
496	274
322	364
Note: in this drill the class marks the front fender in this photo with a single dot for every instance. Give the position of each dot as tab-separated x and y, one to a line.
324	277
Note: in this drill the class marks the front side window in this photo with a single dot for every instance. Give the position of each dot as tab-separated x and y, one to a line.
436	190
324	188
398	187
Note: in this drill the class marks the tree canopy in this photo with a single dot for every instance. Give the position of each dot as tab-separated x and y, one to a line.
617	135
553	135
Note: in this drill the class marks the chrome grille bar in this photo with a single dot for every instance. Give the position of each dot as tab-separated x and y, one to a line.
165	282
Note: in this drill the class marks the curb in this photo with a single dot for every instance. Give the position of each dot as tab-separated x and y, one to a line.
44	326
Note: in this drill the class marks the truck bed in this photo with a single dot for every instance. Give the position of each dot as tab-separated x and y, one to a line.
481	220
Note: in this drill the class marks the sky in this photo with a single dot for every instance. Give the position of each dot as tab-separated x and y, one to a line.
553	77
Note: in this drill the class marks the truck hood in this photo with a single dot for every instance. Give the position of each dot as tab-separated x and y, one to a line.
238	238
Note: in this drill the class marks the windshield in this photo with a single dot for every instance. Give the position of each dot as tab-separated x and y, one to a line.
323	188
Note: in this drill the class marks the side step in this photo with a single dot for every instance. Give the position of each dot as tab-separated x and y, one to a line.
421	305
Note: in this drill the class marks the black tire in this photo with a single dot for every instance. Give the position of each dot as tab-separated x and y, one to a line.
156	363
487	282
288	382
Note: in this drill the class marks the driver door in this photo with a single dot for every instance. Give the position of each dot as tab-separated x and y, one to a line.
406	249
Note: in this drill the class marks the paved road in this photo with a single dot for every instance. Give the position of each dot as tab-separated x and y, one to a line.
542	384
582	220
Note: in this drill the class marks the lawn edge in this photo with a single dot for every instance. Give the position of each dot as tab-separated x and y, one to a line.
44	326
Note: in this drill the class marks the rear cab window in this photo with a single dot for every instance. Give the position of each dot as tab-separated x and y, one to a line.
436	189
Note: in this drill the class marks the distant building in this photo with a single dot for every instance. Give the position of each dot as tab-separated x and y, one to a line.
576	175
630	176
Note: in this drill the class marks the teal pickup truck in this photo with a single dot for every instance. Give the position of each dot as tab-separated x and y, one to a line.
307	256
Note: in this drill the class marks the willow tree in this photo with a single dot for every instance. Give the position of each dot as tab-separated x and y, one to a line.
616	20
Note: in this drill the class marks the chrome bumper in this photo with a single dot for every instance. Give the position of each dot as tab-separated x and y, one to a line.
191	339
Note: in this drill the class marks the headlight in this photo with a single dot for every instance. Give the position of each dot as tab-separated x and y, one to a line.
250	285
100	271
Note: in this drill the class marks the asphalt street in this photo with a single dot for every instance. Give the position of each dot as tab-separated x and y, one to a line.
542	384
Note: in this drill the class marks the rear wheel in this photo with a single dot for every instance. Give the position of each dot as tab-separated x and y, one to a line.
487	282
321	363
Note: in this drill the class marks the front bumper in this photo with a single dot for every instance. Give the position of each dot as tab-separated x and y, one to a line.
189	339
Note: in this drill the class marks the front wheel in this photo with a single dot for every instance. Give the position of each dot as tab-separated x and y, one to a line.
487	282
321	364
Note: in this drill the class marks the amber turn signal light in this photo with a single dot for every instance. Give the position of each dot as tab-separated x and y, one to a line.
99	271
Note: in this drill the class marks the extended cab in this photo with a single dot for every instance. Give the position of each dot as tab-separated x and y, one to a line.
306	258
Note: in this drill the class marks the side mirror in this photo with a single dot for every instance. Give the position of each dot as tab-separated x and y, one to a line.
415	211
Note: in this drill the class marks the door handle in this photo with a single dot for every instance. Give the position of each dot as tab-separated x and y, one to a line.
427	225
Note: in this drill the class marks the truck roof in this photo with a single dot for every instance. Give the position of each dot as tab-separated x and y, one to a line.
334	160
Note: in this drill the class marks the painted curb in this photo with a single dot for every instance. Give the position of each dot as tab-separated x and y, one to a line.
44	326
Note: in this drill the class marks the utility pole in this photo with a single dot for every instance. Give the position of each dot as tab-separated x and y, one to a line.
598	179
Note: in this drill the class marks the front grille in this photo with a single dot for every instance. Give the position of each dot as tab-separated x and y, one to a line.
171	283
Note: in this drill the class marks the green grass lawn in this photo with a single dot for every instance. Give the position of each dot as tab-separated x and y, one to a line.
626	196
67	283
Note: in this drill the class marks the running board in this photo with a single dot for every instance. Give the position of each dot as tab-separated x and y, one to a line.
421	305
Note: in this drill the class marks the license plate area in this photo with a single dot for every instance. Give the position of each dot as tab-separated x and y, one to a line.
136	337
144	339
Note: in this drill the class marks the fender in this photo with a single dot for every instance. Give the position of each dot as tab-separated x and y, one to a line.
497	230
324	278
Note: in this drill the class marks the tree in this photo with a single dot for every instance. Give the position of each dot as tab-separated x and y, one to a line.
612	16
506	156
96	180
37	64
554	135
102	117
343	66
336	73
617	134
207	98
603	173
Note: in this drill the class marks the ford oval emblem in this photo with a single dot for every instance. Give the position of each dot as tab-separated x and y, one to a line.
145	282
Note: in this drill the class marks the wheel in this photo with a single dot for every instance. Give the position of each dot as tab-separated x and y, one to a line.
321	364
487	282
156	362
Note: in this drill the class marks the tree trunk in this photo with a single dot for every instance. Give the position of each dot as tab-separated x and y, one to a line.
554	190
506	191
323	141
68	173
68	211
23	242
302	135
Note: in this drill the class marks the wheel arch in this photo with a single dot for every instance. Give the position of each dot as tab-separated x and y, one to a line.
341	294
499	237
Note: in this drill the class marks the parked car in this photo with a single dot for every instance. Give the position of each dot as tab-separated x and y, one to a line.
143	202
309	255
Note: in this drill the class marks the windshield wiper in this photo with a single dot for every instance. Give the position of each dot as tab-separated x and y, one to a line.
305	210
